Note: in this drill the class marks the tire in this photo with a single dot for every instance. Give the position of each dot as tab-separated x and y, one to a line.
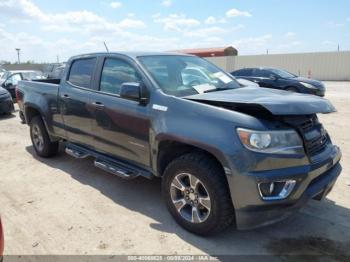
212	179
292	89
41	140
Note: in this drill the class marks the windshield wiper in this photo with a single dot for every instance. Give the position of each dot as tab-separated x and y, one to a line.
218	89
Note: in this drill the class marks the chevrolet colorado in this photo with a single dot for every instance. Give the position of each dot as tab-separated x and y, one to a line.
226	155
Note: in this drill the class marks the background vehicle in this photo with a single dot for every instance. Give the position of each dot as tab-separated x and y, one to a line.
57	73
280	79
2	72
10	79
6	103
245	82
225	153
1	241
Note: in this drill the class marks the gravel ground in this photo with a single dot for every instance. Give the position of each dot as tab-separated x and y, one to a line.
67	206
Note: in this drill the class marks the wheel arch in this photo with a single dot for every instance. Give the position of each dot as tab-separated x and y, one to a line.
170	149
30	112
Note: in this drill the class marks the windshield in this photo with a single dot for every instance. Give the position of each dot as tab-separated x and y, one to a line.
186	75
282	73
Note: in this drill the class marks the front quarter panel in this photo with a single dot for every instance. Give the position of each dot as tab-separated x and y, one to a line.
206	127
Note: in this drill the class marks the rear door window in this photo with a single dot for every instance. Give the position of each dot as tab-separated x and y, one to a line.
81	72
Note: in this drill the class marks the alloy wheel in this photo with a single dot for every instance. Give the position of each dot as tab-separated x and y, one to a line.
190	198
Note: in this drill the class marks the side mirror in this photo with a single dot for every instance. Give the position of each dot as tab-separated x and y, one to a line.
134	91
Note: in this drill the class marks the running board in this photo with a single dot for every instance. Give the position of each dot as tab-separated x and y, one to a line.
75	153
116	169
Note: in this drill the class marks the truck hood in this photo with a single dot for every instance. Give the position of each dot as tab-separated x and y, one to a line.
276	102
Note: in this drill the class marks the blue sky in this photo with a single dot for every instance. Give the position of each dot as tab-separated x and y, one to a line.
44	29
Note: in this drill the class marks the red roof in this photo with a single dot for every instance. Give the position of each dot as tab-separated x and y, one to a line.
208	52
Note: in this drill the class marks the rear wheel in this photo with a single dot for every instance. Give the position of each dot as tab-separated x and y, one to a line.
40	138
196	193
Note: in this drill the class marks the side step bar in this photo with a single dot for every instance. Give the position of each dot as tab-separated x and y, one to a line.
75	153
111	165
115	169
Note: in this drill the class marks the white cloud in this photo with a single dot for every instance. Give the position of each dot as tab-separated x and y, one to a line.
235	13
290	35
237	27
205	32
115	4
167	3
251	45
212	20
175	22
131	23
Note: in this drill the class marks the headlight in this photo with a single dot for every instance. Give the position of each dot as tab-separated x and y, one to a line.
307	85
271	142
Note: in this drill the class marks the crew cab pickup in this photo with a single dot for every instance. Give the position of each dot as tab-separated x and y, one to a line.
226	155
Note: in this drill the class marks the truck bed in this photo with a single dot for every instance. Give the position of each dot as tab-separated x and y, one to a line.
43	94
42	87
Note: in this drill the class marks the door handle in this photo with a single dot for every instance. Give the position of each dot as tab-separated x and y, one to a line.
65	96
98	105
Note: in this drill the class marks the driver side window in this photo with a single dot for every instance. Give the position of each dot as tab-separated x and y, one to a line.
115	73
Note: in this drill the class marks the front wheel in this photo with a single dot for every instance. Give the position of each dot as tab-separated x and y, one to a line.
196	193
41	140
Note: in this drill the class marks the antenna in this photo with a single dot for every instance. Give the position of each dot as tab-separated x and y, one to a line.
106	47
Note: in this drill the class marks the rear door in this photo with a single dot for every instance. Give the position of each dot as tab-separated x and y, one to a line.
120	126
74	101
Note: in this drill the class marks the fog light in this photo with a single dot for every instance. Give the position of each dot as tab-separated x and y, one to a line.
276	190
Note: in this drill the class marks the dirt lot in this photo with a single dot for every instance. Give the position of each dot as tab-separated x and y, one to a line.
67	206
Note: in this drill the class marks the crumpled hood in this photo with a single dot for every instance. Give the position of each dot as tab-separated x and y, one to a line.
277	102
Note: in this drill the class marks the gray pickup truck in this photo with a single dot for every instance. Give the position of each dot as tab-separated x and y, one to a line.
226	155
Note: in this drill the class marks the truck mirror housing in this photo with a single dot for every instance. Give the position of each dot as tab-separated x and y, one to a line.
133	91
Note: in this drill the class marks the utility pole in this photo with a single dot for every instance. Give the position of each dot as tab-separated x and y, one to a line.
338	47
18	50
267	51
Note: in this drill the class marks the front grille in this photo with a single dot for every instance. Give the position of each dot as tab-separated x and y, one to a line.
311	130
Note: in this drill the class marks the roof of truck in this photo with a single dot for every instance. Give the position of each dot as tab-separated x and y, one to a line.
131	54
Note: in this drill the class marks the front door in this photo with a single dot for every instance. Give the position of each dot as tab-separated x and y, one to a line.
120	126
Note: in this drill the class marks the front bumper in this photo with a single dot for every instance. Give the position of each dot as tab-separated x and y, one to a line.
314	181
319	92
6	105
